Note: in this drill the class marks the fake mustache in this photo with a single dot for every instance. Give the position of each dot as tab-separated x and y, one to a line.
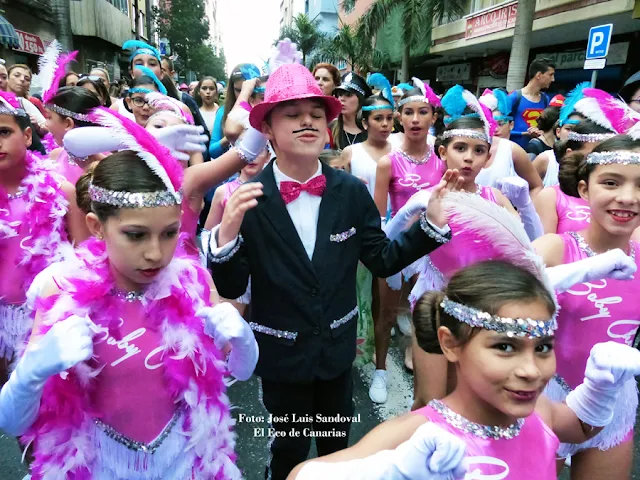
306	130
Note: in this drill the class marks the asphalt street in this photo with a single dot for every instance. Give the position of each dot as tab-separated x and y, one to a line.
252	446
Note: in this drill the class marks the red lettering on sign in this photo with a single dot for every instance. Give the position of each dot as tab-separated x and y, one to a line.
30	43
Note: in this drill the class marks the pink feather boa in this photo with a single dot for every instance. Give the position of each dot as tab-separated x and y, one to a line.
49	143
194	370
44	215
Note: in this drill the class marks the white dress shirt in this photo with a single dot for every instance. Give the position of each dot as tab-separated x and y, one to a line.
304	212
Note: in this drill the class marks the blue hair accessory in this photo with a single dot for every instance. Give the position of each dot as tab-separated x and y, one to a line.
571	122
139	90
147	72
501	118
370	108
259	90
405	87
570	101
249	71
379	81
505	103
139	48
453	102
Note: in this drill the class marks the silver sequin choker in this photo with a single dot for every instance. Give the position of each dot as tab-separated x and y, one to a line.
20	193
162	198
483	431
621	157
422	161
584	246
128	296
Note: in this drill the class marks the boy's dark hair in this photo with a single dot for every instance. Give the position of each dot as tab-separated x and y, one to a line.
540	65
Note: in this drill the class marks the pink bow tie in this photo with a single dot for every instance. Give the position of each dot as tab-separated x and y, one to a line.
291	190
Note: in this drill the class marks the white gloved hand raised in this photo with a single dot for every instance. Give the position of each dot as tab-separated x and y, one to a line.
251	144
612	264
284	53
415	205
225	325
181	140
516	189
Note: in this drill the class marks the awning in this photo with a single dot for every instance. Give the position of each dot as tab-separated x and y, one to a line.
8	35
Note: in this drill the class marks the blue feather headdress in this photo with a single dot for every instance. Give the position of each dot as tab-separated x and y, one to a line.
147	72
453	102
379	81
405	87
137	48
570	102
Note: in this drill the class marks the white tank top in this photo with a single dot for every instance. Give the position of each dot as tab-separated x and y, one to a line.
363	166
501	167
551	177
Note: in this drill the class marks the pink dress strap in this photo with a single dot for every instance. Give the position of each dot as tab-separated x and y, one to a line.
573	213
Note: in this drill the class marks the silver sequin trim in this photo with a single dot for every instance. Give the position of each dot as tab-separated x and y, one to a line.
607	158
465	132
512	327
341	321
74	159
428	229
584	246
341	237
256	327
435	269
353	86
128	296
228	256
18	112
135	445
67	113
589	137
20	193
163	198
564	385
483	431
413	98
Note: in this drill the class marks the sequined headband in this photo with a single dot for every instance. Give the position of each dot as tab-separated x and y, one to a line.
413	98
371	108
512	327
353	86
588	137
18	112
81	117
607	158
163	198
466	132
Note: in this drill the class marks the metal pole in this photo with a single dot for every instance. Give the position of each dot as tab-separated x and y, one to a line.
594	77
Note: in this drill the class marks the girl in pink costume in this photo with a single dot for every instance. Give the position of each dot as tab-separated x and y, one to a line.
603	310
38	216
399	175
132	331
482	322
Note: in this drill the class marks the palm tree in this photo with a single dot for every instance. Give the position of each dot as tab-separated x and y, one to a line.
305	32
417	20
520	46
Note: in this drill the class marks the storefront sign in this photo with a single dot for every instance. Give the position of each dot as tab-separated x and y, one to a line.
566	60
30	43
453	73
492	21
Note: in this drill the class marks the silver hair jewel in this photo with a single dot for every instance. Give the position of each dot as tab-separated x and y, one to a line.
466	132
18	112
162	198
512	327
589	137
413	98
81	117
622	157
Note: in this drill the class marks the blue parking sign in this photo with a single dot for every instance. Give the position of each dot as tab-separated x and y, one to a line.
599	41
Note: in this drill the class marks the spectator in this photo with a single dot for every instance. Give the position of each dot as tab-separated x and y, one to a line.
19	82
630	92
530	101
4	76
547	123
69	80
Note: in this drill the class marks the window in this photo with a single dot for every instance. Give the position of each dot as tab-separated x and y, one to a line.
121	5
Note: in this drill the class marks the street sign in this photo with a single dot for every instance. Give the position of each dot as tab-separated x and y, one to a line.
595	64
599	41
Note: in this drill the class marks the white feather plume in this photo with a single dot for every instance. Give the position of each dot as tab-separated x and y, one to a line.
590	108
634	132
474	105
419	84
489	101
47	65
496	225
129	142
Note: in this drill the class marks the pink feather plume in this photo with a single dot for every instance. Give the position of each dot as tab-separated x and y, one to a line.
134	137
490	125
165	103
428	92
10	101
49	91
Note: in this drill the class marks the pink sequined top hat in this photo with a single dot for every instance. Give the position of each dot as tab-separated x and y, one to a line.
292	82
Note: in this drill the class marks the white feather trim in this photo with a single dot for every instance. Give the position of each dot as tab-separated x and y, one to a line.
419	84
489	101
590	108
474	105
47	65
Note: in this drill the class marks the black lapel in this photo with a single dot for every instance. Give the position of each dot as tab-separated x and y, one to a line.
276	212
330	208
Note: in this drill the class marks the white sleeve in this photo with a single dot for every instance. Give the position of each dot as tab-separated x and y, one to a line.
31	109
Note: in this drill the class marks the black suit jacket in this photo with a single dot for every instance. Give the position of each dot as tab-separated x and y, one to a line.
304	312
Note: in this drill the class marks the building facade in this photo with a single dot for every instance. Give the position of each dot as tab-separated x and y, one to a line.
326	11
289	9
215	34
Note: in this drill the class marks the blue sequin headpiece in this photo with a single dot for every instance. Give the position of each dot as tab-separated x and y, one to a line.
140	48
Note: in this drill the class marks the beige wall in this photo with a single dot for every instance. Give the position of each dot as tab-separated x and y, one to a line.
361	7
98	18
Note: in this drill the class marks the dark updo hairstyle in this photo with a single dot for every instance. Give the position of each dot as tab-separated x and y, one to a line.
101	88
486	286
548	119
560	147
372	100
414	92
574	168
76	100
123	171
464	123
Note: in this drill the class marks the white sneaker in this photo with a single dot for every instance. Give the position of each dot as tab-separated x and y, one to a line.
404	324
378	389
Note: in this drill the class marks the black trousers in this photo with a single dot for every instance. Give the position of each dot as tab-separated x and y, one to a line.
313	405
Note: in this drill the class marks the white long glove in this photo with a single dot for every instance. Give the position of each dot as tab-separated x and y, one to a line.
613	264
415	205
225	325
251	144
284	53
430	454
67	343
516	189
179	139
609	366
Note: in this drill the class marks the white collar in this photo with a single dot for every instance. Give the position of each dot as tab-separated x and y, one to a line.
281	177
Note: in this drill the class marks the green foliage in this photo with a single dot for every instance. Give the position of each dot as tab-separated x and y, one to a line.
304	32
205	62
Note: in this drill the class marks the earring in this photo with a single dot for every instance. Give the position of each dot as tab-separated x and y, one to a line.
100	237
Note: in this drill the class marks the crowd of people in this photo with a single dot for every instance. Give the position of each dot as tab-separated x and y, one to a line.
157	242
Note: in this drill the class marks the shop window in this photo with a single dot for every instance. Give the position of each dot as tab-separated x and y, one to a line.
121	5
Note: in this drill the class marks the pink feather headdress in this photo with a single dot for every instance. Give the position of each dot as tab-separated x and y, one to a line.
490	125
133	137
164	103
607	111
427	91
52	67
9	105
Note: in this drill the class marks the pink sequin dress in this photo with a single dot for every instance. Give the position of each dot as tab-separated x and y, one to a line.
574	213
599	311
68	169
524	451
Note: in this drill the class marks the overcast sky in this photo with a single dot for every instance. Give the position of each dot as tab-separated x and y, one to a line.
248	29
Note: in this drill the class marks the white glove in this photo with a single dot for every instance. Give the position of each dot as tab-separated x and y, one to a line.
225	325
85	141
251	144
67	343
181	140
415	206
614	264
516	189
609	366
430	454
285	53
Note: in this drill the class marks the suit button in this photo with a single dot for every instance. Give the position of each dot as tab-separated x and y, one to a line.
316	331
314	292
